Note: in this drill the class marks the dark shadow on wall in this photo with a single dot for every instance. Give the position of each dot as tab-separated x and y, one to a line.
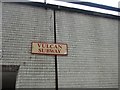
9	75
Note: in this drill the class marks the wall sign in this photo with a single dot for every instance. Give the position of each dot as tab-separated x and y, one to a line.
49	48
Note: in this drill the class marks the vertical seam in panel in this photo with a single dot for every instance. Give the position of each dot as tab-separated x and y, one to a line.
56	72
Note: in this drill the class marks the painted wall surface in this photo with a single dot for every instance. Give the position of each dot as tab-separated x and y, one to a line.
92	60
22	25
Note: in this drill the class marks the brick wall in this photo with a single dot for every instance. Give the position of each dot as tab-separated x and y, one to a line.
92	60
0	29
0	44
22	25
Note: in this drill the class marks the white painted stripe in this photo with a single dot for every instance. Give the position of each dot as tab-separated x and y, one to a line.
41	1
83	7
14	0
112	3
70	5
